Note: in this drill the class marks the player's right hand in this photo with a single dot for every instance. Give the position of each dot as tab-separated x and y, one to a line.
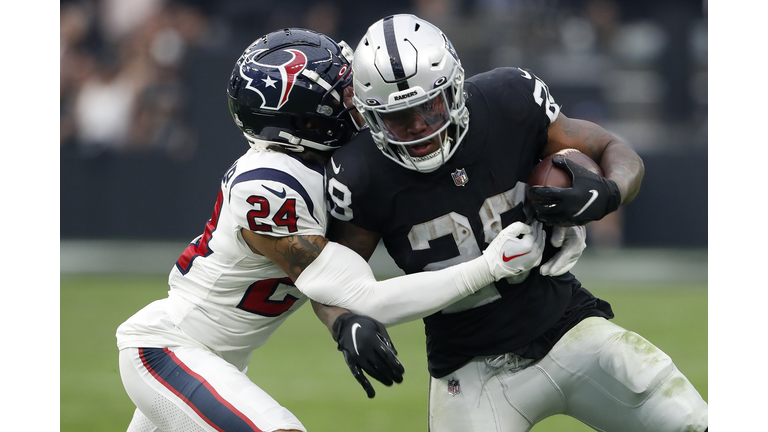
590	198
516	250
367	347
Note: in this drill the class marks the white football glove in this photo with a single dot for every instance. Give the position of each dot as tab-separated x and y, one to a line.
571	240
516	250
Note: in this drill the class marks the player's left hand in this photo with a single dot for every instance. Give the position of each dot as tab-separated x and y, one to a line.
590	198
571	240
367	347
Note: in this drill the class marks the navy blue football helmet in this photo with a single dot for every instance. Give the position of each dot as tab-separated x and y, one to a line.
287	88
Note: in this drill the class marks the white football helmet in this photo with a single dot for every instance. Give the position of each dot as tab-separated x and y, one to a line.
409	86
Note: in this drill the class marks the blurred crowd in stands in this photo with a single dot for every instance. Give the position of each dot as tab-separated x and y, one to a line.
640	66
120	63
146	78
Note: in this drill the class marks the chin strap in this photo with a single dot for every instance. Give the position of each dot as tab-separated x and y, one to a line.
264	144
298	144
442	151
294	144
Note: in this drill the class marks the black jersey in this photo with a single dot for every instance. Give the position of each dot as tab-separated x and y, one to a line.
432	220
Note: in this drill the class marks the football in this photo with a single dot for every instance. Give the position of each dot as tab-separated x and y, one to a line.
547	174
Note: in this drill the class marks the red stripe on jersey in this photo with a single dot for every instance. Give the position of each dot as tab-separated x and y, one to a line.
200	247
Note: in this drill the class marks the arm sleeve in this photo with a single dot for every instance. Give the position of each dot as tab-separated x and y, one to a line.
340	277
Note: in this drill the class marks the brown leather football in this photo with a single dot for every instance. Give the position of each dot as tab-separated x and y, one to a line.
546	174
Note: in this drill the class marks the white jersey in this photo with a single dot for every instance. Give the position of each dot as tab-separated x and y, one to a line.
222	296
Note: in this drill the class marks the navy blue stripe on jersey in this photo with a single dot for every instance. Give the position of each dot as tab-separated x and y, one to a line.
278	176
394	53
194	391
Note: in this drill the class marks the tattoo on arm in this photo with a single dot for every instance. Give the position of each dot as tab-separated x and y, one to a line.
300	251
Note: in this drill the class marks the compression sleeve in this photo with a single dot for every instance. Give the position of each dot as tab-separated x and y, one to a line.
340	277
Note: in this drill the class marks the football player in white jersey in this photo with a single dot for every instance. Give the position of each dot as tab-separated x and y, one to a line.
263	254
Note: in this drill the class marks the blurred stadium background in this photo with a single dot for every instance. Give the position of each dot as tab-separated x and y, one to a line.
145	135
145	131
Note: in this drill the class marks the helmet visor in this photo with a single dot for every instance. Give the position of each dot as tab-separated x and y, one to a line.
416	123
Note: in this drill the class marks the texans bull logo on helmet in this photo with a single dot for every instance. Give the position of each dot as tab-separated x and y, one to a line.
273	82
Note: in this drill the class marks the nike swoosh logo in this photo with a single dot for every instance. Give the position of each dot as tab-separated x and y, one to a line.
355	326
589	203
505	258
280	194
336	169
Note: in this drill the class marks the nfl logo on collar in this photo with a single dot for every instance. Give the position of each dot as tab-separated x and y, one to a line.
460	177
453	387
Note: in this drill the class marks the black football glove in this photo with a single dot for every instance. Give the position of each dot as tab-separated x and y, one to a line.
367	347
590	198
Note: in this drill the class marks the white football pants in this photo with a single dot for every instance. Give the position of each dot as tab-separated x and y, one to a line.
599	373
189	389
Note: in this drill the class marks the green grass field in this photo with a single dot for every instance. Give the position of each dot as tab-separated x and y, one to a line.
302	370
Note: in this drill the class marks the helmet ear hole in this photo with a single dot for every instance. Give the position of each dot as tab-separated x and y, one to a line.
312	123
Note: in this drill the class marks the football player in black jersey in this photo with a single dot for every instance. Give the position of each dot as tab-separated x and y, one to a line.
441	171
262	255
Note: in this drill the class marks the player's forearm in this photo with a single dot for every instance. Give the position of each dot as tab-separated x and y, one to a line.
340	277
327	314
625	167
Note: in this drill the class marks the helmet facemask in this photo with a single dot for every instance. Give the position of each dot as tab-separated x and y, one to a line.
423	119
